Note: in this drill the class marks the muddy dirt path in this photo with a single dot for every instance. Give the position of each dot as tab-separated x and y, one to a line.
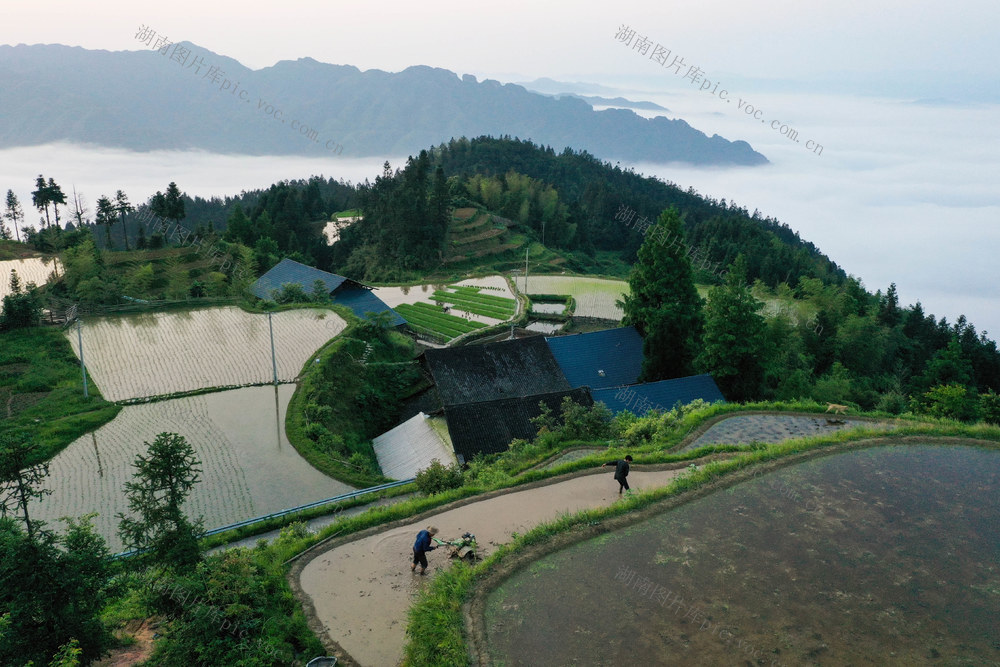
361	591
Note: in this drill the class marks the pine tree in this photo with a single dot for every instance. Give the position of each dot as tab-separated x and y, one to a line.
123	207
163	479
663	304
174	202
22	307
56	197
734	342
440	202
239	227
14	213
106	216
40	197
947	366
20	479
888	311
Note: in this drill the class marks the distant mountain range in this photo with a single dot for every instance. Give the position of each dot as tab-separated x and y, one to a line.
190	98
615	102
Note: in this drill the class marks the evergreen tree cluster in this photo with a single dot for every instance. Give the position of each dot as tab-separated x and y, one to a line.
405	216
22	307
286	220
859	347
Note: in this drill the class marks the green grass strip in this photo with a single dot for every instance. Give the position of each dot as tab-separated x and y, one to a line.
460	300
480	310
432	316
485	299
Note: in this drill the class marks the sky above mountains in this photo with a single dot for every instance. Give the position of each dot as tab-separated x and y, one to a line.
916	48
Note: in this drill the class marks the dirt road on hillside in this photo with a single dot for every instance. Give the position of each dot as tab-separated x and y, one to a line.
361	591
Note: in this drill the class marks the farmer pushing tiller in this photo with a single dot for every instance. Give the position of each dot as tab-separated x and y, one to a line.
464	546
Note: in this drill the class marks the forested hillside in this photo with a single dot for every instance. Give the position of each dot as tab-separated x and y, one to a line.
569	201
591	192
834	343
587	210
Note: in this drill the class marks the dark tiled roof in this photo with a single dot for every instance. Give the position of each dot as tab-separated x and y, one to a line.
489	426
290	271
509	369
345	292
615	352
662	395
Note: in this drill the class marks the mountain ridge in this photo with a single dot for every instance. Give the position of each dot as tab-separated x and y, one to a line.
145	100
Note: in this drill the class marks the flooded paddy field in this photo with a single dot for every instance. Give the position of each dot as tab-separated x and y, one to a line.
552	308
887	555
31	270
248	466
544	327
744	429
495	285
595	297
152	354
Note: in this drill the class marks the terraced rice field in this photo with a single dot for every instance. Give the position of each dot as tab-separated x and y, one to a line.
34	270
471	302
248	467
595	297
745	429
152	354
495	285
881	556
427	318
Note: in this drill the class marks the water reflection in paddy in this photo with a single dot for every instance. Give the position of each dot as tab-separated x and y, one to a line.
881	556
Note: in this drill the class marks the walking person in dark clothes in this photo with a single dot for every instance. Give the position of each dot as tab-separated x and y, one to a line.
421	547
621	471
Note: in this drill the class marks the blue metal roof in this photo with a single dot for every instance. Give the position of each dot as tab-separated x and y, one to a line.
344	292
290	271
662	395
362	301
600	359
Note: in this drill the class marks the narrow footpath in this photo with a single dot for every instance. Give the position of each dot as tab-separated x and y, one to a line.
360	591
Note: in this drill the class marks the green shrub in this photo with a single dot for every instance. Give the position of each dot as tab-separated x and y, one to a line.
438	477
641	431
951	401
291	533
21	308
989	407
893	402
235	609
585	423
488	471
290	293
318	413
316	431
364	464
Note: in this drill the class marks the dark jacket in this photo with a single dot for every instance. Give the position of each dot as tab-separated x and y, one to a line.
423	542
621	469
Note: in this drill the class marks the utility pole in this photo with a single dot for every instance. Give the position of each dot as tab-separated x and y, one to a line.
525	272
274	360
83	366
